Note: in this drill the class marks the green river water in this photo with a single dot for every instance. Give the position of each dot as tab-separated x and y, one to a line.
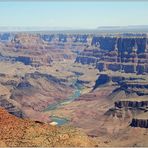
51	107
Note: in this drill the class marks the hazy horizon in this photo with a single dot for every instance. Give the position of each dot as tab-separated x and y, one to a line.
87	15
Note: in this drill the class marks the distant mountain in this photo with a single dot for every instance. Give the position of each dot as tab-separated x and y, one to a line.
137	28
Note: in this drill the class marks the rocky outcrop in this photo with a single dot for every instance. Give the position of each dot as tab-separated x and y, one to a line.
134	110
25	60
47	37
86	60
103	79
129	85
143	123
140	87
106	43
37	75
126	54
121	43
16	132
23	85
5	37
34	60
131	104
12	107
31	60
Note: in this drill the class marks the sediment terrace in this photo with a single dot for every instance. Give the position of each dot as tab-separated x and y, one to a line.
138	108
133	103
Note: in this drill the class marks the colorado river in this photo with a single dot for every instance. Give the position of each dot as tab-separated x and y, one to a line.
75	95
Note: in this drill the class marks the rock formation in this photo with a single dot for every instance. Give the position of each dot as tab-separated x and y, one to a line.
131	104
143	123
126	54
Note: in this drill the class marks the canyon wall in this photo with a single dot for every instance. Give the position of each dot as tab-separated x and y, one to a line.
125	54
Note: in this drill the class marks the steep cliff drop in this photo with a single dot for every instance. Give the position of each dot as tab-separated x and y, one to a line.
123	53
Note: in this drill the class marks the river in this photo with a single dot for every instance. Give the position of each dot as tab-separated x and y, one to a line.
75	95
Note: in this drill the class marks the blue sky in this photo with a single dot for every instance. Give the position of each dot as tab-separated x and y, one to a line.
84	14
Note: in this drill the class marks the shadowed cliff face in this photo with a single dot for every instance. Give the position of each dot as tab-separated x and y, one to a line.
103	79
106	43
127	84
12	107
126	54
139	123
132	104
122	43
136	109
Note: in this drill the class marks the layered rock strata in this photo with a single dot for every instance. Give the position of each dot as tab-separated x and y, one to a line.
125	54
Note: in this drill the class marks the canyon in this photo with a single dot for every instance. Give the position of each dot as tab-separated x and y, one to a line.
92	84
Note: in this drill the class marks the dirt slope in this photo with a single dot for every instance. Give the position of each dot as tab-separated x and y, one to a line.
19	132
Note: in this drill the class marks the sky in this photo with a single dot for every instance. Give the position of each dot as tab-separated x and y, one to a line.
75	14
